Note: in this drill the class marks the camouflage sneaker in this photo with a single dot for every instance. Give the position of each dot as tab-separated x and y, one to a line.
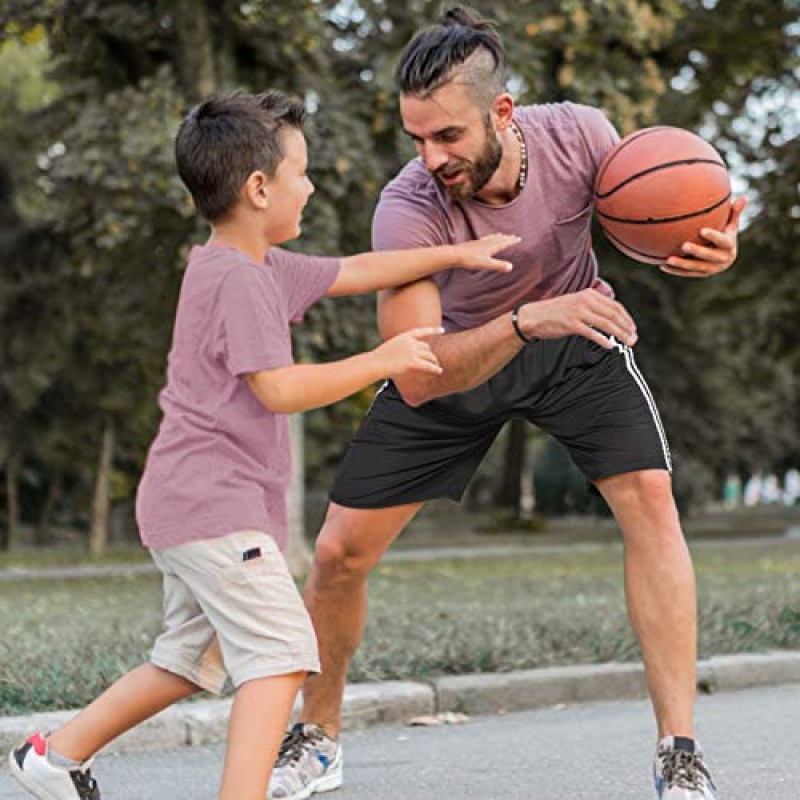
680	772
308	762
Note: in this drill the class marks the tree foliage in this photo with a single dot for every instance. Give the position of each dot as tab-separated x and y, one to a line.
96	225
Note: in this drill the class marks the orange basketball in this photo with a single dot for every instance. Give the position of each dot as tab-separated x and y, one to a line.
657	188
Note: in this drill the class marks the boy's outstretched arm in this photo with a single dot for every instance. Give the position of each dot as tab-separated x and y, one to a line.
301	387
368	272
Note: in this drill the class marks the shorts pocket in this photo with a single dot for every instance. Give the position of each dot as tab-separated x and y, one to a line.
263	566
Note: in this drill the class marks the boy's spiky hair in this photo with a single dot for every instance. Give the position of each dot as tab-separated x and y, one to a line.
226	138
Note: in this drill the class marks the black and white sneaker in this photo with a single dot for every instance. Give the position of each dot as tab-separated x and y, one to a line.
680	772
32	769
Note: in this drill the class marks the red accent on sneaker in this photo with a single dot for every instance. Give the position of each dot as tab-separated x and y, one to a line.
39	744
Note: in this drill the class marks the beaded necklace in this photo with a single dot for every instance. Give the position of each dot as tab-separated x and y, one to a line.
523	156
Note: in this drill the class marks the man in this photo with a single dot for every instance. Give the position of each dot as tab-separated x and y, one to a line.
546	342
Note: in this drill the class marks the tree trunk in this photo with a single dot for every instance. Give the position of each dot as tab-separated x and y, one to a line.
509	493
298	553
42	533
13	531
101	504
197	62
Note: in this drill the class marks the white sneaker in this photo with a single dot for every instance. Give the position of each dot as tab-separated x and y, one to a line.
32	769
680	772
308	762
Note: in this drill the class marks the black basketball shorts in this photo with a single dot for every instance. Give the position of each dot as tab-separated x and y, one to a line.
593	400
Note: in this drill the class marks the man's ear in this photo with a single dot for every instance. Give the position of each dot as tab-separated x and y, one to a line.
256	190
502	110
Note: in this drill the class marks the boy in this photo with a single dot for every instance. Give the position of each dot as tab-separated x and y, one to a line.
211	503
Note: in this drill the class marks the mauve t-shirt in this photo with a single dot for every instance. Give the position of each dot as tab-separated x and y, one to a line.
565	143
221	461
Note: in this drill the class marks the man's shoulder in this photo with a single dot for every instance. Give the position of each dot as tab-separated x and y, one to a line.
415	183
554	116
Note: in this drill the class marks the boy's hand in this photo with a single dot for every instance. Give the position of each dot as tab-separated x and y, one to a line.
477	254
408	352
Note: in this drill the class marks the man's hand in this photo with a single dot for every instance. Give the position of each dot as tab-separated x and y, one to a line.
703	261
477	254
587	313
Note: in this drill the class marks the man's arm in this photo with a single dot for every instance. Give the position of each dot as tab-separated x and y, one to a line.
468	358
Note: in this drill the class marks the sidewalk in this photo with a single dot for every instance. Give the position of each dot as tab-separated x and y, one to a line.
204	722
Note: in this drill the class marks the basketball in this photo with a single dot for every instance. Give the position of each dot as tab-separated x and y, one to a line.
657	188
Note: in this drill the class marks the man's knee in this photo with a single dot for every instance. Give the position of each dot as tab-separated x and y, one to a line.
344	551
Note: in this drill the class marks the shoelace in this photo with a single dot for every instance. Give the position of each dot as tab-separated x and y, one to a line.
85	784
292	746
684	770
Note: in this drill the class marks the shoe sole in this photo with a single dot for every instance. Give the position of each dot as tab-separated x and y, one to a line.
19	776
325	783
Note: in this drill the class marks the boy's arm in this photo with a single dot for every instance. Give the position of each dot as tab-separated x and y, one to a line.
300	387
368	272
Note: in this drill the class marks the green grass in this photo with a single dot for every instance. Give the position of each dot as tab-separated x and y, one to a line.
64	641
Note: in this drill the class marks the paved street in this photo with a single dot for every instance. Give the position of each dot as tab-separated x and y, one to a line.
593	752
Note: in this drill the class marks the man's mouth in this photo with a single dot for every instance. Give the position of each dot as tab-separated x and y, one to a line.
449	178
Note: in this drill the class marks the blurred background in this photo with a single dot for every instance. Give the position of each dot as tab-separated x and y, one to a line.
95	226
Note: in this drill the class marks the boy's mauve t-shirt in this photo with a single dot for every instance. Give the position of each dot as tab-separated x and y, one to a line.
221	462
565	144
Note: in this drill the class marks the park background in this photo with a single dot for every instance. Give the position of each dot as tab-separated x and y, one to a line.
95	228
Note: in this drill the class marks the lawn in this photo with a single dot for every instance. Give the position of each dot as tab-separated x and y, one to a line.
66	640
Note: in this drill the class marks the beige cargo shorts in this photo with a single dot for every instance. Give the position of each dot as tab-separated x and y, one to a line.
231	609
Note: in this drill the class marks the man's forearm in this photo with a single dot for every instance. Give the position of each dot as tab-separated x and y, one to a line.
468	358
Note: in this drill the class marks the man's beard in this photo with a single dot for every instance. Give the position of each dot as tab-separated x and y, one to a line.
477	173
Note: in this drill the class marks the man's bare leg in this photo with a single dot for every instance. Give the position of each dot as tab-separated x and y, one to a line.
350	543
660	591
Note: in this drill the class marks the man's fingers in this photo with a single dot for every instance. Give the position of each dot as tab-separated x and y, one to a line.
685	273
738	206
592	333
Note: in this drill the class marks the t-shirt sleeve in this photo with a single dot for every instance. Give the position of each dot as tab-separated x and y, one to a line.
253	323
304	279
598	133
400	223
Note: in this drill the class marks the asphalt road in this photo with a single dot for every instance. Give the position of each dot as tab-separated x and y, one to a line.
600	751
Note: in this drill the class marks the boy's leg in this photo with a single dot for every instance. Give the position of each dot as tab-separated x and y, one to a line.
259	717
134	698
350	543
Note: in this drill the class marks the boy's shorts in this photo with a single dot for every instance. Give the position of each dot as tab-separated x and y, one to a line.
232	609
595	401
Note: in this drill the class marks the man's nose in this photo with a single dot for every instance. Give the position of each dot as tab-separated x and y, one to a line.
434	157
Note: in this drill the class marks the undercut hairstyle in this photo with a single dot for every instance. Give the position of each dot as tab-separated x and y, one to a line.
226	138
461	48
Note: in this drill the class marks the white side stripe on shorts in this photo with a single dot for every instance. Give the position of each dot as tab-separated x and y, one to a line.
631	366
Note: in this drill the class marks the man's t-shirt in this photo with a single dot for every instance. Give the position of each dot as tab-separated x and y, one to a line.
565	144
221	461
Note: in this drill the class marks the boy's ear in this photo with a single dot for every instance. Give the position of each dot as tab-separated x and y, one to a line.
256	190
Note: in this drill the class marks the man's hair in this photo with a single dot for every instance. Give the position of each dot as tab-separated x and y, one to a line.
226	138
462	48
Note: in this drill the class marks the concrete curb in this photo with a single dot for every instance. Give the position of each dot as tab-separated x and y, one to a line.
201	723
